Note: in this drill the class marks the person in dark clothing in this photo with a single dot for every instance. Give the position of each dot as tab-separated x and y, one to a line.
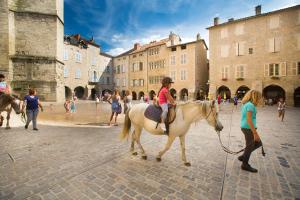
248	126
32	104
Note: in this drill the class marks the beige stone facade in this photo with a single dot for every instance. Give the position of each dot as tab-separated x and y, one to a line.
260	52
87	71
31	37
149	63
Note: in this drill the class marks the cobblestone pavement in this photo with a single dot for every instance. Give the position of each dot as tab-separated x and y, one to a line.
91	163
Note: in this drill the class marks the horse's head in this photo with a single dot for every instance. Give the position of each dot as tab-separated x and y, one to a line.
211	110
16	105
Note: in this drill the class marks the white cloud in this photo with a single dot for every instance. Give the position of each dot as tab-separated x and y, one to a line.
117	51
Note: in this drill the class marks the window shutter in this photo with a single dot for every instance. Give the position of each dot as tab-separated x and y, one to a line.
283	69
242	48
271	45
276	44
237	49
294	69
266	71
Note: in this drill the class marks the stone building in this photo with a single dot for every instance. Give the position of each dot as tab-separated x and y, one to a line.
185	63
87	71
260	51
31	38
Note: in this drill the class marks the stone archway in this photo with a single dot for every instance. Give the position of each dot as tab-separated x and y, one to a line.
184	94
241	91
134	96
173	93
151	94
141	94
273	93
297	97
68	92
224	92
79	92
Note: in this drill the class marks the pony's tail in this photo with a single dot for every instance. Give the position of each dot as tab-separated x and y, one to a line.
127	124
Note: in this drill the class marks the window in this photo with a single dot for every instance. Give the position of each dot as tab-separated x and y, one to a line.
239	48
66	55
77	73
117	82
93	62
78	57
107	80
134	56
183	74
94	76
66	72
173	49
183	59
124	82
239	29
274	22
240	71
224	33
274	69
225	70
141	82
224	51
141	66
123	68
172	60
183	46
250	50
173	75
274	45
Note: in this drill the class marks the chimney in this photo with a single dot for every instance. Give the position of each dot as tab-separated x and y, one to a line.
258	10
198	37
216	21
77	36
231	20
137	46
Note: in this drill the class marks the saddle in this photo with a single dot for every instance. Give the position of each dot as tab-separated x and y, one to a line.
154	112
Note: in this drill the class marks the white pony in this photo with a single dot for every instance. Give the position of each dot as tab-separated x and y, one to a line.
186	114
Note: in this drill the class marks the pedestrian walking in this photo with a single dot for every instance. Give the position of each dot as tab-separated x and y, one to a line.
281	108
248	127
73	106
67	105
235	101
219	99
127	101
32	104
116	107
97	101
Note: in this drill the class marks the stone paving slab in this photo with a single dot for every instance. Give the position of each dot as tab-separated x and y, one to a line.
91	163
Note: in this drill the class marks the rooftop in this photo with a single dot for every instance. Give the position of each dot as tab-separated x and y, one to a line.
77	40
232	21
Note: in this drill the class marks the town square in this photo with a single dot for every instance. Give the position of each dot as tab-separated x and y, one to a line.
109	99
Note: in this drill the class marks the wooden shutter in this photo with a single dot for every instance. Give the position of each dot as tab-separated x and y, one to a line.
242	48
266	70
294	69
283	69
276	44
271	45
237	49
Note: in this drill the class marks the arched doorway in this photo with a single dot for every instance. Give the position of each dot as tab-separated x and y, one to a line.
93	93
173	93
297	97
151	94
224	92
272	93
79	92
141	94
184	94
241	91
68	93
134	95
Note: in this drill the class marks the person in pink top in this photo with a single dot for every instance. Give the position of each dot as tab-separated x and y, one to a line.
164	97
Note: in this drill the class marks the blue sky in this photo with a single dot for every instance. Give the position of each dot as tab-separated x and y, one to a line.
117	24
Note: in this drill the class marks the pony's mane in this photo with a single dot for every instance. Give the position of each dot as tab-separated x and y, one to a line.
189	103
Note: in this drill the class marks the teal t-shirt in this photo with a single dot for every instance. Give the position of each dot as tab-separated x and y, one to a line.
248	107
